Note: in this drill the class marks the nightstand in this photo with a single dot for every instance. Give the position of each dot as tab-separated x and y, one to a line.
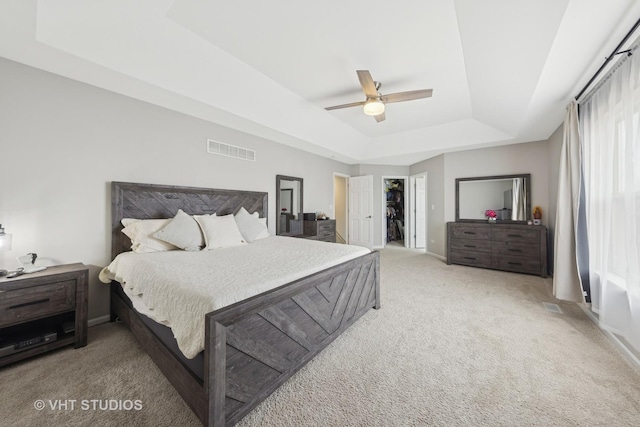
43	311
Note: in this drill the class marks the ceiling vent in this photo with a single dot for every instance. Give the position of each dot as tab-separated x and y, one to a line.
215	147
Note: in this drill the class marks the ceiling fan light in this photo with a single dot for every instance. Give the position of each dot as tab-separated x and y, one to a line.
373	107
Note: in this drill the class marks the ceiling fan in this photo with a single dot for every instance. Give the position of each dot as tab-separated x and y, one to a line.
374	104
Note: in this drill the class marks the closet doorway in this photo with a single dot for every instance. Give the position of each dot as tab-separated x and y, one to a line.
395	225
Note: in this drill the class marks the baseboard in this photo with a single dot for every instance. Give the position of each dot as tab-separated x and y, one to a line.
440	257
614	339
377	248
98	320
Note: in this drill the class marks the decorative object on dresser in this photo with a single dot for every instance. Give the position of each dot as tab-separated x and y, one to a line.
323	230
43	311
289	203
510	247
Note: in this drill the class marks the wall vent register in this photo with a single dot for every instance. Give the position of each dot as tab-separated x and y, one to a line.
223	149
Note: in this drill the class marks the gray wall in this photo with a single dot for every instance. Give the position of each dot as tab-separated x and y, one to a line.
531	157
62	142
436	230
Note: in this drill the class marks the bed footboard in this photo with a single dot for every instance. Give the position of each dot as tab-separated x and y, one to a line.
256	345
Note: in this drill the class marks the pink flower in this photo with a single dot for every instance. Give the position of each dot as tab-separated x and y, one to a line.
490	213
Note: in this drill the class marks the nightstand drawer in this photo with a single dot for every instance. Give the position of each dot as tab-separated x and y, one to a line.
31	303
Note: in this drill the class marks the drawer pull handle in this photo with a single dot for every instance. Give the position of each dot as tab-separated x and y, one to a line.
514	235
515	263
471	258
515	250
469	246
469	232
40	301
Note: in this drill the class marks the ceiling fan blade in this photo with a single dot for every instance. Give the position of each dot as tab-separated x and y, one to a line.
406	96
366	81
380	117
353	104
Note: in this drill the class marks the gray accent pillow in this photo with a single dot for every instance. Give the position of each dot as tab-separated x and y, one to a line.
182	231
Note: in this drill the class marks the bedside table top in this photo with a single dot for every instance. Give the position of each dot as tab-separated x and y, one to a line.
5	283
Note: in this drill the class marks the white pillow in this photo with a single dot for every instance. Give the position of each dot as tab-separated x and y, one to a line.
220	231
183	231
249	225
141	234
265	233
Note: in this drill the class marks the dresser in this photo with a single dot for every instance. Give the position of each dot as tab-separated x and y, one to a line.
324	230
518	248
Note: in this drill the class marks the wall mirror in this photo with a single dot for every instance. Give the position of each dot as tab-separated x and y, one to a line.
508	195
289	192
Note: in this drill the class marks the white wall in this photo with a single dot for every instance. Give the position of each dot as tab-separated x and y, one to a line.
62	142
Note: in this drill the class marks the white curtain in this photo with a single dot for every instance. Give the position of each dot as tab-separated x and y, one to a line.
611	148
519	200
566	279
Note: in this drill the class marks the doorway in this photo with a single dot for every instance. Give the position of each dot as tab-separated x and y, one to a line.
418	211
340	206
396	228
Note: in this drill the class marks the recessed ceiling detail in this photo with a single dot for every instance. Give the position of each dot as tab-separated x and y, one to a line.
502	71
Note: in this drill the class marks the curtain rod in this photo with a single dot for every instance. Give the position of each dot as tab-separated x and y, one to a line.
610	57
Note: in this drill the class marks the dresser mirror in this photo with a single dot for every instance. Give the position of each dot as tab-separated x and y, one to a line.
509	196
289	192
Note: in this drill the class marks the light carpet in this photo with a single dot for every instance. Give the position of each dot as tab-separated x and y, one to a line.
451	346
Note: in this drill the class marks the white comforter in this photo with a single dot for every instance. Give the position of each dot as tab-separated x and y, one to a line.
177	288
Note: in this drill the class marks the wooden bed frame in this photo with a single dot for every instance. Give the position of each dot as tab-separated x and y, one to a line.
255	345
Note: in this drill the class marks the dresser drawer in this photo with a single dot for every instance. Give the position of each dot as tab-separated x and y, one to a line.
477	259
471	232
518	249
324	225
32	303
519	235
517	264
471	245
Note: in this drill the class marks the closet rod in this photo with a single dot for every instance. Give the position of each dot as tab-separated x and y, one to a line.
610	57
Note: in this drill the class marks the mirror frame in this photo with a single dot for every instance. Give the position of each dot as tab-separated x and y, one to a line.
526	176
286	178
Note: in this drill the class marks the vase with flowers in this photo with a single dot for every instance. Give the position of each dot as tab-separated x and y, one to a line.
491	215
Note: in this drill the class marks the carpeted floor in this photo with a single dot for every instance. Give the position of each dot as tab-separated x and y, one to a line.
451	346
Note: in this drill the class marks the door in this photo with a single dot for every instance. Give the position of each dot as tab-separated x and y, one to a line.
421	213
361	211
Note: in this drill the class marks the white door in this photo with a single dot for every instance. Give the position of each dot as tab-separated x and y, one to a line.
361	211
421	213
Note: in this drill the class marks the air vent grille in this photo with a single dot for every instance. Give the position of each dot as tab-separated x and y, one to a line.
223	149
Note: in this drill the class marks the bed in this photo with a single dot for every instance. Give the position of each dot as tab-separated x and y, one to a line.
252	346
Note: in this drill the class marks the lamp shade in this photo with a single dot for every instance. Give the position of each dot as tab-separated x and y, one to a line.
5	240
373	107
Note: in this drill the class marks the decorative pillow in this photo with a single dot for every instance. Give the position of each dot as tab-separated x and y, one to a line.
249	225
183	231
220	231
141	234
265	233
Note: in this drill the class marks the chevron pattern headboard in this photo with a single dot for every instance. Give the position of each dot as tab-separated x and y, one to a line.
152	201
